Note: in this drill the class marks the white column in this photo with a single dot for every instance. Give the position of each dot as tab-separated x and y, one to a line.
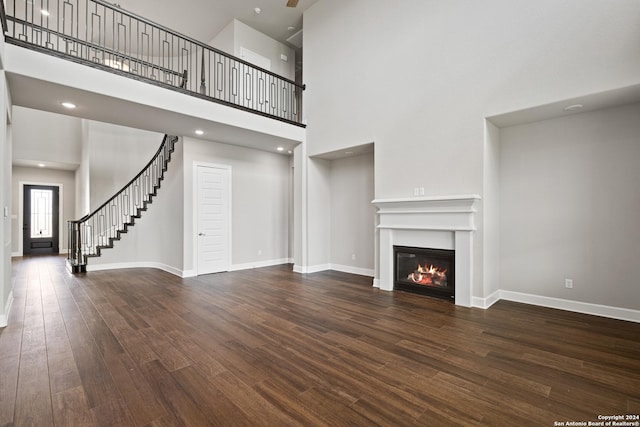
386	259
464	267
6	285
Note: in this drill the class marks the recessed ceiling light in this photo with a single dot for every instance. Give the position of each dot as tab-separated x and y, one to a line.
45	12
573	107
348	152
199	132
280	148
291	28
290	152
40	165
69	105
257	10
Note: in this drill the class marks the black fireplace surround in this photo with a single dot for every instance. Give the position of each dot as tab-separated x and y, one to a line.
424	271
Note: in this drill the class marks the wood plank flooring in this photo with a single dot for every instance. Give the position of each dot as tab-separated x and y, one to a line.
269	347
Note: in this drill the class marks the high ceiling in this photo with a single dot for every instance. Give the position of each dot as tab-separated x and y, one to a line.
203	19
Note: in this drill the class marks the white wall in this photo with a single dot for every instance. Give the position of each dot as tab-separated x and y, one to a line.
224	40
237	35
263	45
41	136
489	214
569	207
318	200
83	177
116	155
334	219
156	238
419	79
260	183
352	214
6	285
67	204
300	216
291	211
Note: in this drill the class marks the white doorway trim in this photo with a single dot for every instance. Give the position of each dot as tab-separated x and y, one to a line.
62	243
194	231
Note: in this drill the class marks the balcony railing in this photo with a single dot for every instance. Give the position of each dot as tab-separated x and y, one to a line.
103	35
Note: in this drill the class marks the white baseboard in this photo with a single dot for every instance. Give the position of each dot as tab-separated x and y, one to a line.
16	254
260	264
244	266
318	268
117	266
353	270
576	306
376	282
487	302
337	267
311	269
4	318
189	273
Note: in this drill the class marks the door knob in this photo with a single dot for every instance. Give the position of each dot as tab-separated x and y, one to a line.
201	234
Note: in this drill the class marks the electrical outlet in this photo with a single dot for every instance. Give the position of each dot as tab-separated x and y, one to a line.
422	191
259	252
416	191
568	283
353	257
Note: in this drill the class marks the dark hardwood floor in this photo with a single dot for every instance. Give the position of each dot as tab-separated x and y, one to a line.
269	347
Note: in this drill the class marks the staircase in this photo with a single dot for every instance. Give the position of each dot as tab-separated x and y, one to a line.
106	225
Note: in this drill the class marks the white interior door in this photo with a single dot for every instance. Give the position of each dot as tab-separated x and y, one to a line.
213	219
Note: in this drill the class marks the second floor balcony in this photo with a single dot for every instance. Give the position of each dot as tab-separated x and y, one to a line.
104	36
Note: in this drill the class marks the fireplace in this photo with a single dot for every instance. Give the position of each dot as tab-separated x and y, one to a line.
440	222
425	271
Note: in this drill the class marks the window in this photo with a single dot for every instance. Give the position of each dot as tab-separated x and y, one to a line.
41	213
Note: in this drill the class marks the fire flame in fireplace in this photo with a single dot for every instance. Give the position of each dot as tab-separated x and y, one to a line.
429	275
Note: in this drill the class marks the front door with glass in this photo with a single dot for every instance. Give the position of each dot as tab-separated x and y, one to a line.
40	227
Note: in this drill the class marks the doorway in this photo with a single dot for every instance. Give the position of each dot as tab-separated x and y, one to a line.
40	229
213	218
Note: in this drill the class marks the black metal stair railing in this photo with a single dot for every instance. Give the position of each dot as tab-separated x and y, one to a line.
105	225
105	36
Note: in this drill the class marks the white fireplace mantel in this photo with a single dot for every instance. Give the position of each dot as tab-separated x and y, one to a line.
445	222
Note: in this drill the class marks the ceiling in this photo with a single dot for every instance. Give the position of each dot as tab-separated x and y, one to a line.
204	19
